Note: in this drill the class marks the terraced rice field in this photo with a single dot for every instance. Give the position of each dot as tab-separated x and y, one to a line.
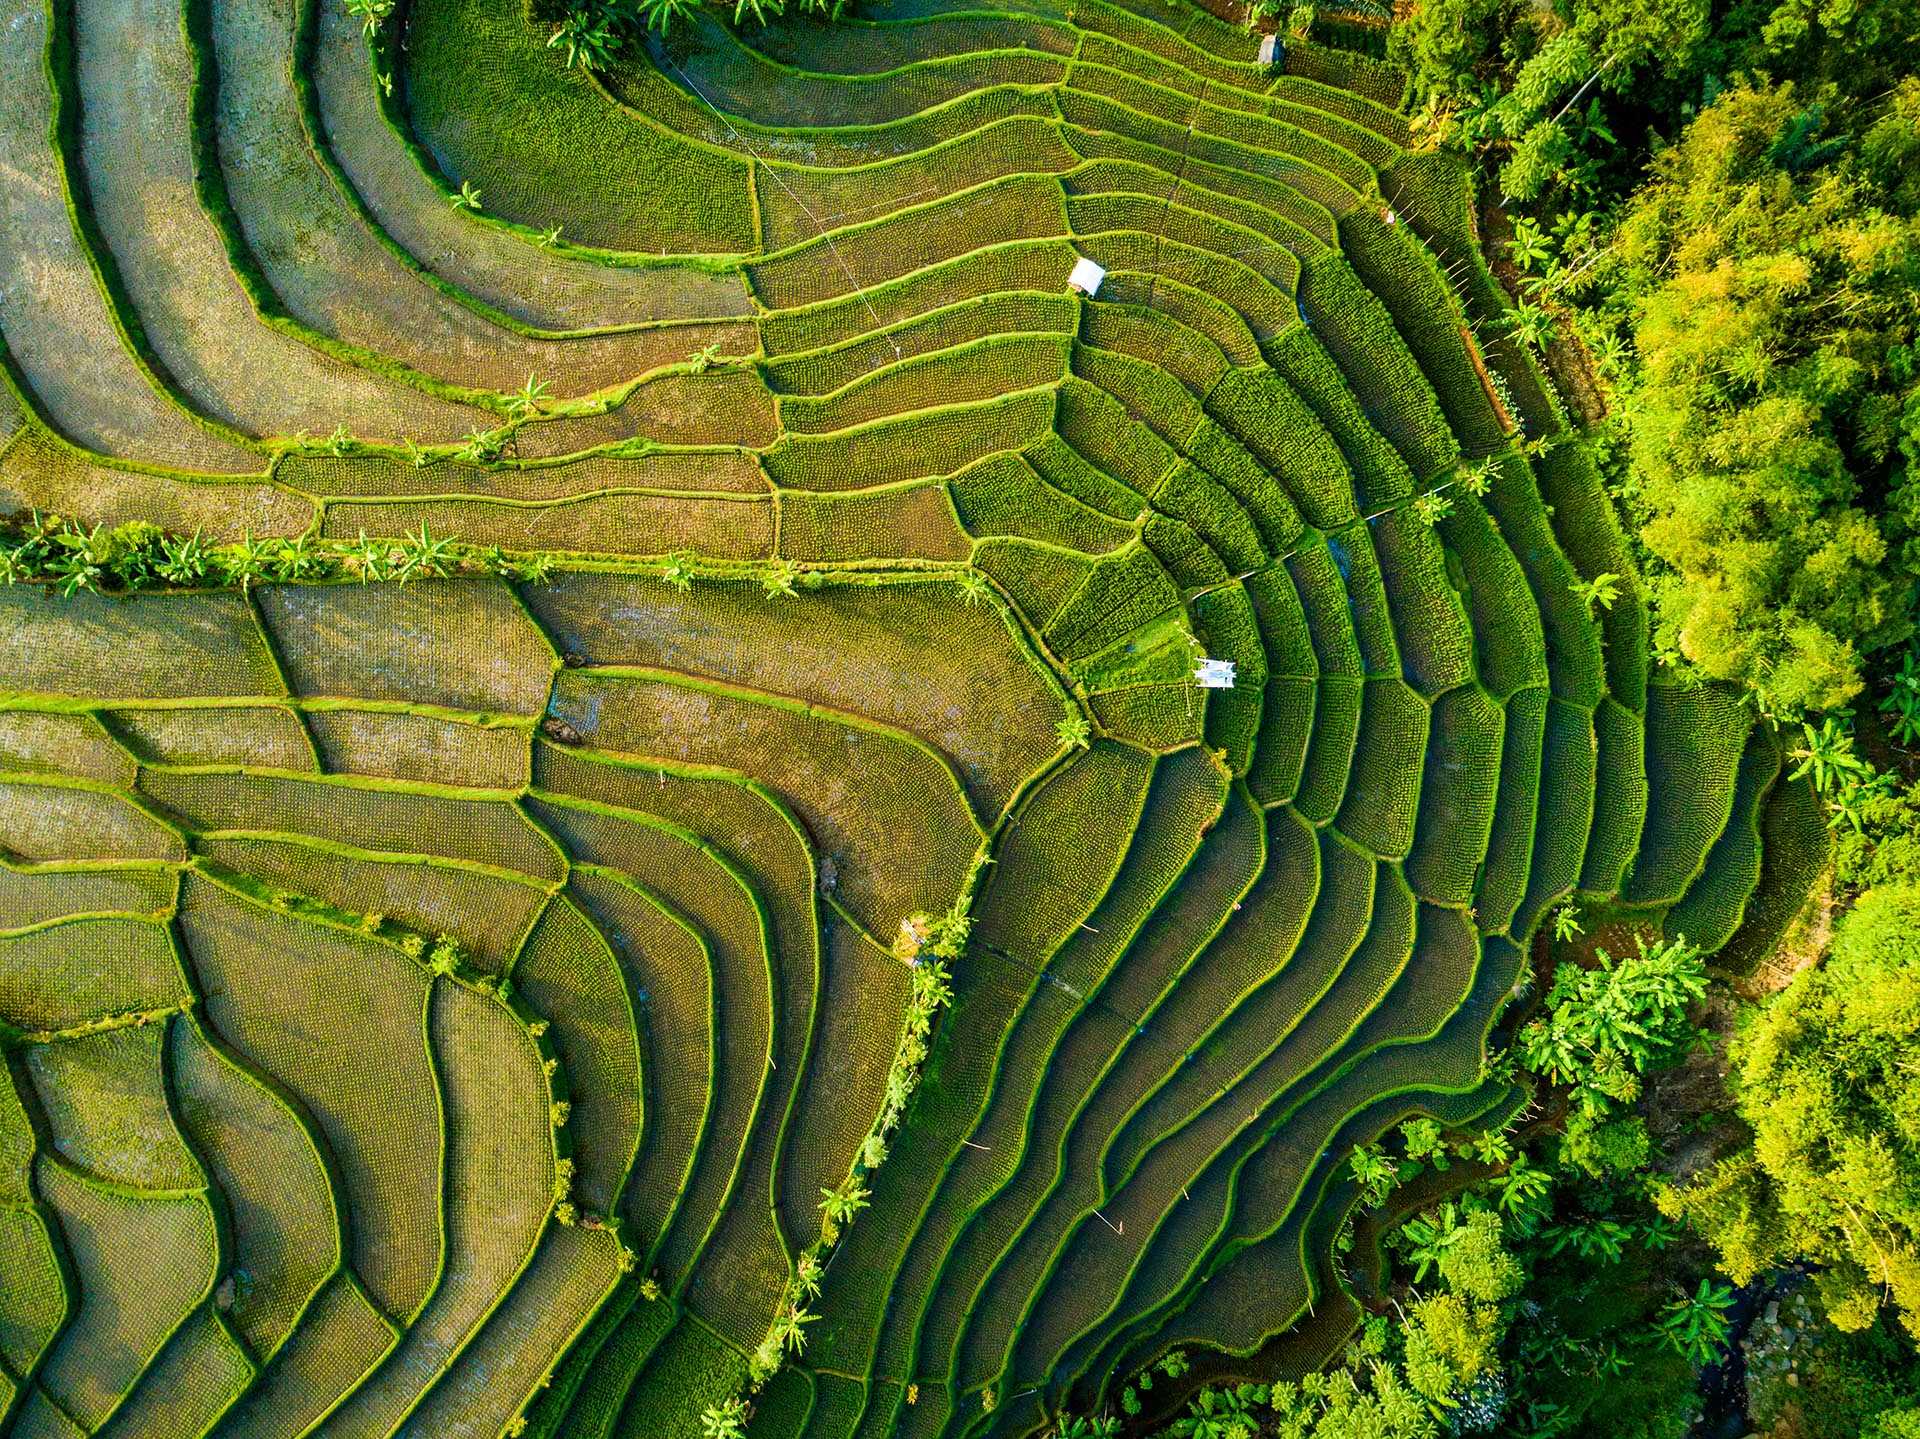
276	1160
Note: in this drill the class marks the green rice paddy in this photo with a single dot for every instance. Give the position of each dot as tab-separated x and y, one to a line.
435	1008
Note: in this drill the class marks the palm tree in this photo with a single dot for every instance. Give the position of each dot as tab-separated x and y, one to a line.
1427	1237
468	199
1493	1147
791	1327
75	564
1432	507
1851	803
932	985
1374	1171
973	585
807	1275
369	557
1902	701
1477	479
1075	731
1523	1185
841	1204
535	568
1099	1426
481	447
299	559
1609	351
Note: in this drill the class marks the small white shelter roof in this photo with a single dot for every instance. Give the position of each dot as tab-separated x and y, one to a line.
1214	674
1269	49
1086	277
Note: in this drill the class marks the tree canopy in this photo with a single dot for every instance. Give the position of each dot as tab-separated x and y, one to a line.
1772	276
1829	1080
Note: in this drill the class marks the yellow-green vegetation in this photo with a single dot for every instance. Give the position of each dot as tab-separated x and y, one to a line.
609	822
1824	1083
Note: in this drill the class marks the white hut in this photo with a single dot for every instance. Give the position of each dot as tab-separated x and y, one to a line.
1214	674
1086	277
1270	50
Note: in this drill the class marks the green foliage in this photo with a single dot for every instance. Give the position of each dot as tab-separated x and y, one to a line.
1605	1026
781	579
1374	1402
136	557
1775	316
1901	702
1825	1384
1391	333
1855	793
1375	1171
725	1420
372	14
1223	1413
678	571
1696	1324
590	37
1451	1342
1477	1264
600	34
1827	1080
842	1202
1096	1426
1601	1146
1600	592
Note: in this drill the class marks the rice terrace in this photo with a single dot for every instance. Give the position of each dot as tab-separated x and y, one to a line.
787	725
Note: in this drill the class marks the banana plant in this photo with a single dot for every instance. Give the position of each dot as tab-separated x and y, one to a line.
1902	701
1696	1325
1827	755
1529	245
